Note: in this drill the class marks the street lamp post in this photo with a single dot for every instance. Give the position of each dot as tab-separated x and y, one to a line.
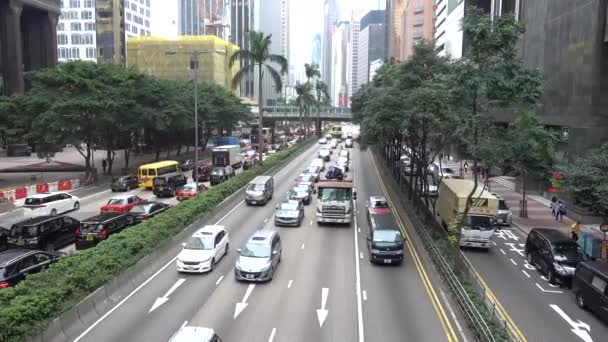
194	65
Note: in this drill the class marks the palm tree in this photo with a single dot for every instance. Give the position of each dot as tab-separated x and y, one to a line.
304	99
322	99
259	55
310	70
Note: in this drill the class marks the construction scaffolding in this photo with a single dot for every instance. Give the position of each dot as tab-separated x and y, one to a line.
150	55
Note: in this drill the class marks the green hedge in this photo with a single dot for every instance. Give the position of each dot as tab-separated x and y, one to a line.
26	309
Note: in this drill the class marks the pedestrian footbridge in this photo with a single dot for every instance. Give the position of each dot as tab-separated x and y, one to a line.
292	113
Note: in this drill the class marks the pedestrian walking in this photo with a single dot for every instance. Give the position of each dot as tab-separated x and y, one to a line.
104	164
553	206
466	167
575	229
561	211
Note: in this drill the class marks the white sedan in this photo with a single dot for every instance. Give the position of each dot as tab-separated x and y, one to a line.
203	250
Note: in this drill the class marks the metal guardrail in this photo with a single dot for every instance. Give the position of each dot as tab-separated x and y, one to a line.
294	111
455	270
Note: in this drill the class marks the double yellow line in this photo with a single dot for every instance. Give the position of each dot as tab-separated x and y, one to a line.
437	306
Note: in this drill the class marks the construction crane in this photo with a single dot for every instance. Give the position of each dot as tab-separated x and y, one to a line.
212	12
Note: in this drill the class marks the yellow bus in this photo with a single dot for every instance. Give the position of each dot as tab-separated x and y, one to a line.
148	172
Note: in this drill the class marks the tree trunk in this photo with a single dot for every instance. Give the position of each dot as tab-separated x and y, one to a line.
261	115
523	212
179	149
127	154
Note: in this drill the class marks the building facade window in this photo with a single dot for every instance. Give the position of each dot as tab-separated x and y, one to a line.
128	27
147	22
141	11
76	39
134	7
89	3
62	53
134	29
69	15
141	2
62	39
75	26
60	26
90	52
148	3
128	15
87	39
147	13
127	4
74	53
74	3
418	19
87	15
89	26
417	32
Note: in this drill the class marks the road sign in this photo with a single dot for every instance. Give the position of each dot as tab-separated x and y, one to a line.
604	227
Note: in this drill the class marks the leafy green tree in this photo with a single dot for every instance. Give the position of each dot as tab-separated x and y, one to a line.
586	179
259	55
304	100
322	99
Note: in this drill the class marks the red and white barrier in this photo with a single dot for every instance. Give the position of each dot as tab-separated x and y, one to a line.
18	195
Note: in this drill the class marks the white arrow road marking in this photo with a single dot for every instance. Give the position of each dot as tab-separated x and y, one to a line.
302	246
526	273
243	304
580	328
547	280
548	291
322	312
271	338
503	252
311	222
162	300
361	255
219	280
364	295
513	261
289	284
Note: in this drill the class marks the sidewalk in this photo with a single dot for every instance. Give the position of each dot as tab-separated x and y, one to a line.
539	210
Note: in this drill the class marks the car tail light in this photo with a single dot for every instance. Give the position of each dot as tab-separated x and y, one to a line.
78	232
4	285
103	234
145	218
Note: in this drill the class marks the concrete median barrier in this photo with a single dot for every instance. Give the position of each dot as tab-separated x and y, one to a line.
87	312
71	324
54	333
101	301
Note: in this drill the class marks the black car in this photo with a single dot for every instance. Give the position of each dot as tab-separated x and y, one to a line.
554	254
384	242
590	287
301	193
15	264
289	213
334	173
220	174
124	183
167	185
97	228
43	232
147	210
186	165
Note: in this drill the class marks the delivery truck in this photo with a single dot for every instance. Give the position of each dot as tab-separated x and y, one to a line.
478	226
227	155
223	141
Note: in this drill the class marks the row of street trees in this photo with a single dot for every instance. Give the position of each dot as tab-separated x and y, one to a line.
311	95
431	104
93	105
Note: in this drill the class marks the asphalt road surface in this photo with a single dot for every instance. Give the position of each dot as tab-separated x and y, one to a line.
325	289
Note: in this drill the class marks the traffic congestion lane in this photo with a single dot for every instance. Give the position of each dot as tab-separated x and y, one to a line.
392	292
311	297
160	324
543	311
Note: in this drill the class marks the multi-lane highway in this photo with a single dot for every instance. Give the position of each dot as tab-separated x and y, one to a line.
325	289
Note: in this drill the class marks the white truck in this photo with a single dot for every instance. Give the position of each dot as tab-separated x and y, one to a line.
227	155
478	226
334	201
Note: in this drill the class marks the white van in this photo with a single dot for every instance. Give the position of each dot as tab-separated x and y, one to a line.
51	203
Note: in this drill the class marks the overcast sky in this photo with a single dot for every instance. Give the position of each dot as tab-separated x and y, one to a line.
306	20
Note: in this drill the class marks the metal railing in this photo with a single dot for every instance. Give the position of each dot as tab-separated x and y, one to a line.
294	111
467	288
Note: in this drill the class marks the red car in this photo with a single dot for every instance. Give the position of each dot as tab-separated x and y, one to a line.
377	205
189	190
121	204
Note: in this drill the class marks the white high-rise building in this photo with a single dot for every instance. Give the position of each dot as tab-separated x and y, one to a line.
373	68
137	18
353	54
76	35
363	57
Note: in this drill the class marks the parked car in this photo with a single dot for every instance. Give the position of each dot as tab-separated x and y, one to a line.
147	210
123	183
97	228
302	193
198	334
51	203
324	154
553	253
204	171
348	142
121	204
43	232
320	163
16	264
186	165
167	185
220	174
314	171
203	250
334	173
260	257
590	287
322	141
289	213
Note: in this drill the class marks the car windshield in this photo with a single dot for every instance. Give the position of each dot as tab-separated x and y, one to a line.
305	177
502	205
568	252
116	201
342	160
200	244
478	222
344	153
333	194
33	201
255	187
256	250
387	235
379	204
189	188
2	273
159	181
140	209
217	172
24	231
288	206
91	227
311	169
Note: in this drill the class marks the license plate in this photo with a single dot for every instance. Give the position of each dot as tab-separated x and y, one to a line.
20	242
89	238
249	276
161	188
254	202
387	261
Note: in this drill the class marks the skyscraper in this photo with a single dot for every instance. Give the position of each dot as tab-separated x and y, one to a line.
418	23
212	18
330	12
242	20
353	61
339	88
137	18
76	37
316	50
110	27
394	11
